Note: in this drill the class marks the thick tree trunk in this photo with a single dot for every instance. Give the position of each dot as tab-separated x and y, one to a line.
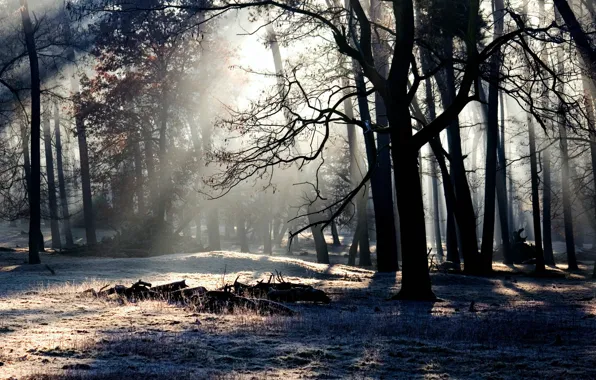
335	235
579	36
320	244
35	183
416	283
53	203
61	182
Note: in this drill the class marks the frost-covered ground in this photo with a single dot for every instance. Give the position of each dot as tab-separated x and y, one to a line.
49	330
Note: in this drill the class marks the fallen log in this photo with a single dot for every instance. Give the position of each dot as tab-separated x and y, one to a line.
184	295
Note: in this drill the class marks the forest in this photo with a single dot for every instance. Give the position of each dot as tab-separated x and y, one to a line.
309	189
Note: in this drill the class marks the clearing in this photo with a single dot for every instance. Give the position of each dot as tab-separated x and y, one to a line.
517	327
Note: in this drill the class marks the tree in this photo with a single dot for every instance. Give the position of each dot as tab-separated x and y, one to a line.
61	181
53	204
34	187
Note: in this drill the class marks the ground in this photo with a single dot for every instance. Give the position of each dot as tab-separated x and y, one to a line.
519	327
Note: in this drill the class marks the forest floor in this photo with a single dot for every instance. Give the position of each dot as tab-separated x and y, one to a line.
518	327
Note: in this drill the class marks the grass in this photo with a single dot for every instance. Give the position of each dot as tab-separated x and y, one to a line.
53	332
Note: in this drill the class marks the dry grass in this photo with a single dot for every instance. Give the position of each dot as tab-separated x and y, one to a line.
49	331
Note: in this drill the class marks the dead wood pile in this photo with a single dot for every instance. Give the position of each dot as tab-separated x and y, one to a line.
263	297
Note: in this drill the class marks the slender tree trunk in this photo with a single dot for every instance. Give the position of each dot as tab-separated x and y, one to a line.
535	197
467	221
139	188
566	192
86	182
436	213
361	233
164	173
387	242
242	232
266	226
430	101
53	203
61	182
450	201
492	137
492	140
502	190
35	183
567	212
549	257
26	158
150	163
85	171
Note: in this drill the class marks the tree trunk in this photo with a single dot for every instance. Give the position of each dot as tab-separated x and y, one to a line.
242	232
267	246
549	257
150	163
355	179
335	234
164	172
61	182
86	182
502	190
320	244
467	221
579	36
387	247
567	212
535	197
213	229
436	213
492	140
53	203
430	101
25	151
448	189
85	172
35	183
139	188
492	136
